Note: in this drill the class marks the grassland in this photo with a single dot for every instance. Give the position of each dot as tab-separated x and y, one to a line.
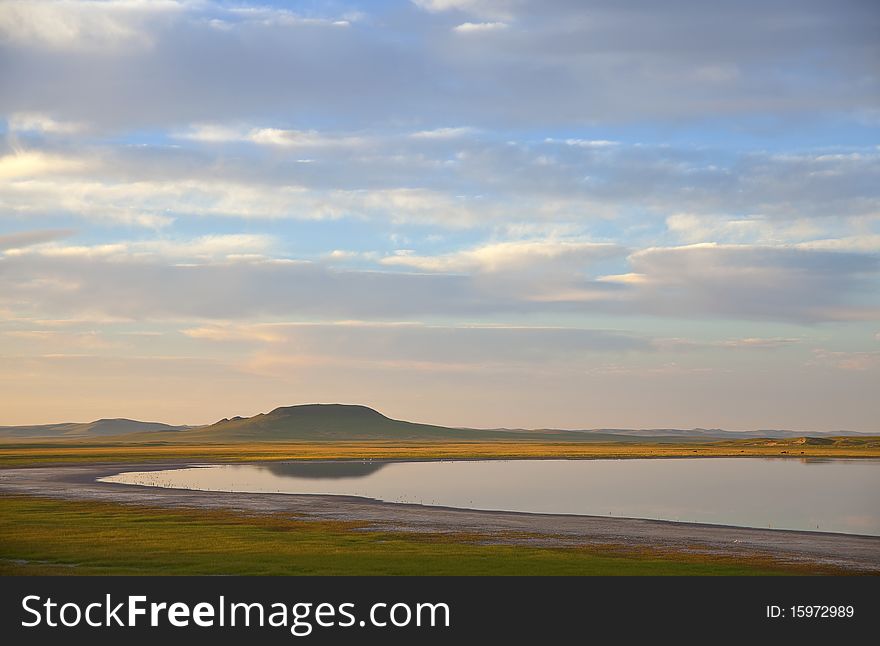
41	536
31	453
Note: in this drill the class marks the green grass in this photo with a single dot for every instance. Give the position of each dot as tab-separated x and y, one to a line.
42	536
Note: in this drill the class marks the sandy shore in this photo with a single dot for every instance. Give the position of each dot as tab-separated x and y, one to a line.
856	553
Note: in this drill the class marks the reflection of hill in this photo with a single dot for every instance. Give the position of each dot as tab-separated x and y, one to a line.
324	470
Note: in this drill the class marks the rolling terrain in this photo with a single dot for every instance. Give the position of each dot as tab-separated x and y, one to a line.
98	428
343	422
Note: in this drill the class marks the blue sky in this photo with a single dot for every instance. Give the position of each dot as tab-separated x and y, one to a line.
474	212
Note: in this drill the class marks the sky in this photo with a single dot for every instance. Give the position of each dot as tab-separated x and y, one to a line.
517	213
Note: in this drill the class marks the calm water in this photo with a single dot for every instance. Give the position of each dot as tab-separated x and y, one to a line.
823	495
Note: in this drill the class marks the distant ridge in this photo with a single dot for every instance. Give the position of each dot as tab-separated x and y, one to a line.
327	422
98	428
339	422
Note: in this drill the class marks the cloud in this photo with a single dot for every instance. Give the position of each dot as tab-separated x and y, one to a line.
258	333
588	143
691	227
266	16
24	239
241	246
753	343
73	24
748	343
25	164
238	277
623	279
454	178
112	283
214	133
280	137
849	361
106	25
486	8
509	256
47	342
479	27
748	281
156	203
426	345
445	133
567	65
37	122
342	255
866	242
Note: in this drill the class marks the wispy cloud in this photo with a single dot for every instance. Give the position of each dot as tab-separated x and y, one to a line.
213	133
479	27
508	256
24	239
86	25
38	122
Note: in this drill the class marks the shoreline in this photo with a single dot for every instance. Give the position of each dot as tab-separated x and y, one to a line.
16	456
851	552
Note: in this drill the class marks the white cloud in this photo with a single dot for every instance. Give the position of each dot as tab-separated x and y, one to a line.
213	133
451	178
573	64
81	24
755	281
486	8
625	279
478	27
278	17
507	256
589	143
156	203
299	138
692	228
38	122
260	333
237	277
445	133
342	254
865	242
208	247
32	163
218	133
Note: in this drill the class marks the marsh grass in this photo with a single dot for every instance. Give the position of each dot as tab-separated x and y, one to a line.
24	454
44	536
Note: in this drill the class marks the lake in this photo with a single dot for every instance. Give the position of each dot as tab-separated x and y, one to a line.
831	495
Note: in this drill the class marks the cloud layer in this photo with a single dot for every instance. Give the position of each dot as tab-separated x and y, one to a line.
620	214
557	63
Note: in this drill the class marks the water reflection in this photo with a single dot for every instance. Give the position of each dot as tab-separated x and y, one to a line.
321	470
808	494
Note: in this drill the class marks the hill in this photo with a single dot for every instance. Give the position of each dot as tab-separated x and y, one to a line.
98	428
328	422
346	422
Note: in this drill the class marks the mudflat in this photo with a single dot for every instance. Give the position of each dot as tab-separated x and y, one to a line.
79	482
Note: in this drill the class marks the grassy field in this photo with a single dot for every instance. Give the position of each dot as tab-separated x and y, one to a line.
40	536
23	454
